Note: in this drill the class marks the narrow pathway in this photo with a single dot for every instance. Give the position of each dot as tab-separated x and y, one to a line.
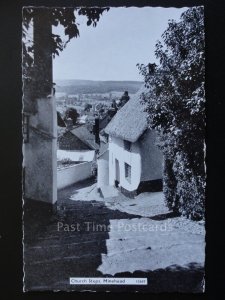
53	251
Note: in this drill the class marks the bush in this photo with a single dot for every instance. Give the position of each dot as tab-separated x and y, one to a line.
175	102
191	198
184	192
170	186
66	161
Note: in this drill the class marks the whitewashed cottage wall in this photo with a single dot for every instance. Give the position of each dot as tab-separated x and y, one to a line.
133	158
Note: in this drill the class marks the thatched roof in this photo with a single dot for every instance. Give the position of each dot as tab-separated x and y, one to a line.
130	121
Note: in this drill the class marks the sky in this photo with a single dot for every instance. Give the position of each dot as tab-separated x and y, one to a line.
123	37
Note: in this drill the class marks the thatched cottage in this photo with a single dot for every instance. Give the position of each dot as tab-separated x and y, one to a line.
134	160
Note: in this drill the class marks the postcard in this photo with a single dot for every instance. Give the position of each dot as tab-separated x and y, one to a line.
114	168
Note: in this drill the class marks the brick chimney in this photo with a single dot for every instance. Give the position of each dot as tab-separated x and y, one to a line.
96	131
69	123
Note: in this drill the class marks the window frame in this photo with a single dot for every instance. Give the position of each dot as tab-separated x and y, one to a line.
127	172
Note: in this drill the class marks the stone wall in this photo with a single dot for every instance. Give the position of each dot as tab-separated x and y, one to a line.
40	153
73	174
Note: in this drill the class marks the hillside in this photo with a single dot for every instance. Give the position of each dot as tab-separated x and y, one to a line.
76	86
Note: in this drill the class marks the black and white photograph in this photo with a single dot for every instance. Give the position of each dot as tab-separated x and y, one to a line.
114	172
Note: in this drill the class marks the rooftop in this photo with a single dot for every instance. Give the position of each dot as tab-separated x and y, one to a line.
85	136
130	121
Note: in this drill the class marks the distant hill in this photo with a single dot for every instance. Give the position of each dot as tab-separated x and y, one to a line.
77	86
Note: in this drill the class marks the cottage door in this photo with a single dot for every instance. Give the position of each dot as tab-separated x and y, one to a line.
117	173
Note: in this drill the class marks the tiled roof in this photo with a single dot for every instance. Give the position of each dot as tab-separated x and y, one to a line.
85	136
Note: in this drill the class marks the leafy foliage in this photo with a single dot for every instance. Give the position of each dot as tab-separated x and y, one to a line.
39	48
60	121
60	16
175	103
87	107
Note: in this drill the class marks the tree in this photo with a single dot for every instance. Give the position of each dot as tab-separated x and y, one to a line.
60	121
39	49
63	16
175	103
71	113
87	107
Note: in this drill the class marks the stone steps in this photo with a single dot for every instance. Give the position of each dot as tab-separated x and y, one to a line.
58	251
109	191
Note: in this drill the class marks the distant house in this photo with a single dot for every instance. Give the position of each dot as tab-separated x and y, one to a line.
60	95
82	119
78	138
76	146
101	123
134	161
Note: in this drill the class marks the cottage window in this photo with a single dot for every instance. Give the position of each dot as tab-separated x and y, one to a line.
26	128
127	145
128	172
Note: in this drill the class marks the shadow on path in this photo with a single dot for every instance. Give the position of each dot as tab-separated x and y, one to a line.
161	217
60	244
65	243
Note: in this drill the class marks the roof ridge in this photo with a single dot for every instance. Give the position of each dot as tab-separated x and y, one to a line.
130	122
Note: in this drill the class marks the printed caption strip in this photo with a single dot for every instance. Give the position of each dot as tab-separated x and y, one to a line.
110	281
